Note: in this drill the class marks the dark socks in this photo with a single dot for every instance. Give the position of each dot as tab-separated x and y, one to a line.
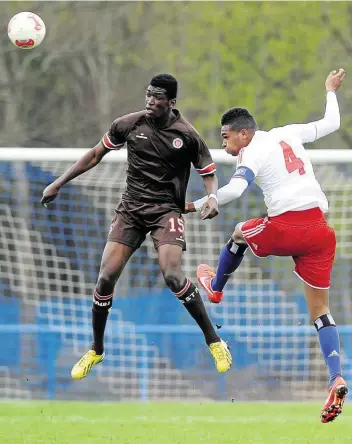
100	313
190	297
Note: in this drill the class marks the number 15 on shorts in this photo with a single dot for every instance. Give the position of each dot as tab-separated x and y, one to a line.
176	224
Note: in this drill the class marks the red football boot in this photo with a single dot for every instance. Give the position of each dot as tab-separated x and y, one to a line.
205	274
334	403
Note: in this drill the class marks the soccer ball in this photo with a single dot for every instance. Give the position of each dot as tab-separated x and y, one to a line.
26	30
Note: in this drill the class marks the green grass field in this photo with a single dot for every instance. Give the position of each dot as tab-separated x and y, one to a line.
169	423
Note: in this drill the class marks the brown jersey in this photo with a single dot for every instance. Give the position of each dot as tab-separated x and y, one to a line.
159	159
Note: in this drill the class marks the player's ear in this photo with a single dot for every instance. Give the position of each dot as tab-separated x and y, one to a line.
172	103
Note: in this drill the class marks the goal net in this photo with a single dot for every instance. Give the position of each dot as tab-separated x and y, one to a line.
49	262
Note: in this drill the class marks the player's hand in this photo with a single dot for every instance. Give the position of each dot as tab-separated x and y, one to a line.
49	194
189	208
334	80
209	209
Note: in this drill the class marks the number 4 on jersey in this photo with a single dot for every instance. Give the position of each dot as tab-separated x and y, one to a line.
292	162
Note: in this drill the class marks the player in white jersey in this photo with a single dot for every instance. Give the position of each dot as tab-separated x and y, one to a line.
295	226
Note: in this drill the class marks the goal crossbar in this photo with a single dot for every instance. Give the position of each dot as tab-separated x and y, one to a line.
72	154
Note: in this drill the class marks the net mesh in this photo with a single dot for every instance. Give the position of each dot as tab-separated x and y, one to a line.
49	265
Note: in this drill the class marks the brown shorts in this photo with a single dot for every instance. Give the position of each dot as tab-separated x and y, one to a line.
133	222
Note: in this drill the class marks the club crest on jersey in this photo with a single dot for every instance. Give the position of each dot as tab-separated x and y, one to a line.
177	143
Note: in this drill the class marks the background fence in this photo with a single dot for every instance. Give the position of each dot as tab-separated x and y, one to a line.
49	262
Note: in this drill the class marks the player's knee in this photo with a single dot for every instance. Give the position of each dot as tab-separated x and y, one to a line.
105	285
173	278
237	235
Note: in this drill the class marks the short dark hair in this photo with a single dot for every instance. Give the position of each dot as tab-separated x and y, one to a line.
167	82
238	119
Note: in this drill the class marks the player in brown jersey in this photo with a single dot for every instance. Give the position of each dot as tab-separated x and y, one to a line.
161	146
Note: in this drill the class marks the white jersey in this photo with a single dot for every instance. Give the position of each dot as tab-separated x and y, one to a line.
283	170
278	163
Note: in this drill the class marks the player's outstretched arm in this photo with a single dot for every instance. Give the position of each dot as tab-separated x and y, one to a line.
331	121
85	163
233	190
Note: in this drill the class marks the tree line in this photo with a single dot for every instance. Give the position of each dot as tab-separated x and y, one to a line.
97	59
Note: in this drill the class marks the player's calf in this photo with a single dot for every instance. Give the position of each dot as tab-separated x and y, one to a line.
100	313
330	347
190	297
230	259
329	344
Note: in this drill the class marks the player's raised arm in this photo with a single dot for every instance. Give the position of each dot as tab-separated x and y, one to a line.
112	140
312	131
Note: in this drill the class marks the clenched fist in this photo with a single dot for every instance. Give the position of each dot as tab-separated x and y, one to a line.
334	80
209	209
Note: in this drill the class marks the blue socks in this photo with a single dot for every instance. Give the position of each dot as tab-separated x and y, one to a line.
230	259
329	344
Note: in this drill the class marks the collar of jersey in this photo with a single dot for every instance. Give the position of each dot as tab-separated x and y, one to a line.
177	114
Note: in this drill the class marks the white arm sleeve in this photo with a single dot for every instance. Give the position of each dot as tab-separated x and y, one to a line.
312	131
226	194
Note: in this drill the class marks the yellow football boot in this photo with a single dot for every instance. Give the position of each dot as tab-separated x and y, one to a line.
83	367
221	355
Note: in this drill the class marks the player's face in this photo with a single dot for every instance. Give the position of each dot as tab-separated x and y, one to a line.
234	141
157	105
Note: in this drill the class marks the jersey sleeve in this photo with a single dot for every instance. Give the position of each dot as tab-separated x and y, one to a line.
310	132
305	132
250	161
233	190
116	136
202	160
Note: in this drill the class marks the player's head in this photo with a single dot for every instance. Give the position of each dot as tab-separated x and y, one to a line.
161	95
237	129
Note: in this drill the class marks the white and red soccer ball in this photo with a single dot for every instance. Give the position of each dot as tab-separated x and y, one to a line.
26	30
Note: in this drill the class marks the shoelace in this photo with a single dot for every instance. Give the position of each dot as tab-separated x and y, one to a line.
219	352
84	360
